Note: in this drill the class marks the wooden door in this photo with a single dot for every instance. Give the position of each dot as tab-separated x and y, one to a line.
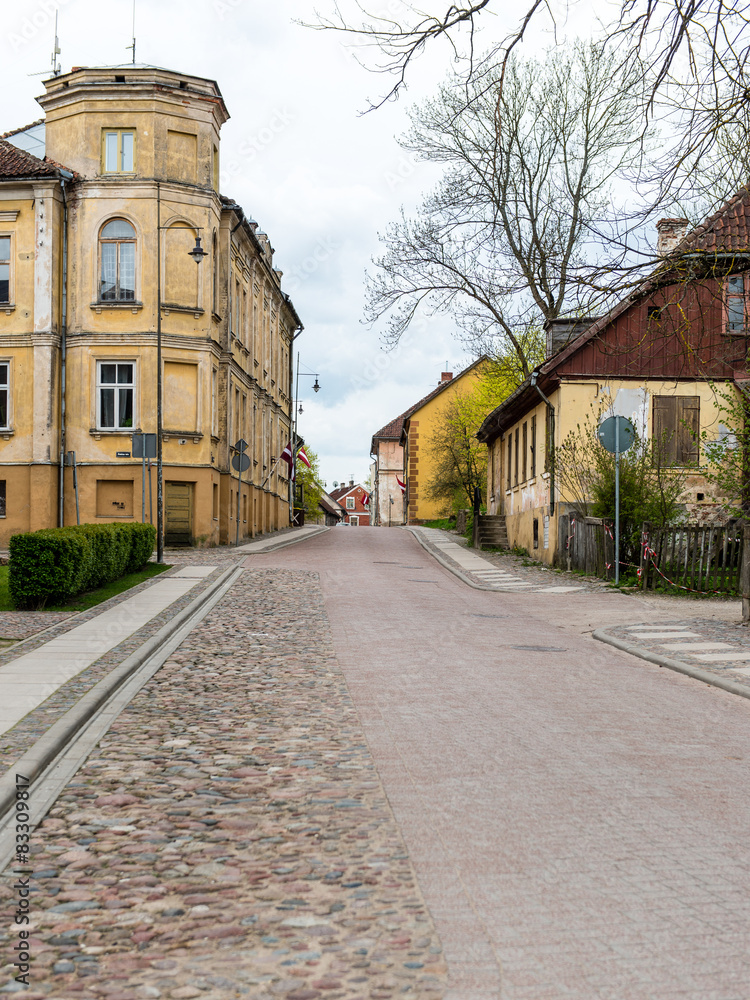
178	513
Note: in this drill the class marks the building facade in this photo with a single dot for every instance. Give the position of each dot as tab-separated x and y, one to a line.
386	472
97	226
656	358
355	502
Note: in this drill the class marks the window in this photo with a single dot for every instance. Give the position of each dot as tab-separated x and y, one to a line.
736	303
350	503
115	384
117	255
515	465
118	152
533	446
549	440
4	367
676	428
4	268
525	441
2	498
510	462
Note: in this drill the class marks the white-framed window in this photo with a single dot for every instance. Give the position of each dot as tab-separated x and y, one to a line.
117	244
4	391
115	389
118	151
350	503
354	520
5	269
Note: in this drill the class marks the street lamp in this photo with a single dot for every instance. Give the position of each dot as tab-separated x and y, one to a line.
298	409
197	253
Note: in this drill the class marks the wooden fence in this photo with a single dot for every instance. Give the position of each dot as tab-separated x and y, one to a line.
694	557
706	559
587	544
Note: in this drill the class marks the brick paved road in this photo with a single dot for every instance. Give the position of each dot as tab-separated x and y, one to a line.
577	818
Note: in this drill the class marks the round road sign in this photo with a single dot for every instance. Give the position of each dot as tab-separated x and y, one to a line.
608	434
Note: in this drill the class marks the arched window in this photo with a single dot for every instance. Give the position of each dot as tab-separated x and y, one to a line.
117	256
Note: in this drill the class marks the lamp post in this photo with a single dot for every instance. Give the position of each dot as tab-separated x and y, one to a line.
298	408
197	253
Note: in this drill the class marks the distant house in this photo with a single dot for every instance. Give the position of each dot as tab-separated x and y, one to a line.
388	503
354	499
651	358
330	512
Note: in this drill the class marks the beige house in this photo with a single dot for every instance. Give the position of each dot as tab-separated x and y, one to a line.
655	358
101	204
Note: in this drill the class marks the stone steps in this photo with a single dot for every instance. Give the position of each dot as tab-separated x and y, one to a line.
491	531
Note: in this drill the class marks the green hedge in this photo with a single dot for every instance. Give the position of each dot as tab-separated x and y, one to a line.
55	564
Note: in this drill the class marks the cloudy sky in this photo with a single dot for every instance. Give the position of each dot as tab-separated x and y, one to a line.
321	178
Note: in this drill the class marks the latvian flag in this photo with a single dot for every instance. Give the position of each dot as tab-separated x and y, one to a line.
288	457
365	498
402	485
303	457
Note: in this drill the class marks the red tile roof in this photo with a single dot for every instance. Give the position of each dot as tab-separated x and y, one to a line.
16	162
727	229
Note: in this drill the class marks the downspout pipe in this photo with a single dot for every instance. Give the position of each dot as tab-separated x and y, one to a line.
65	176
551	409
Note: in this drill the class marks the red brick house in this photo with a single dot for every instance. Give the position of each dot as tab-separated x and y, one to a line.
355	500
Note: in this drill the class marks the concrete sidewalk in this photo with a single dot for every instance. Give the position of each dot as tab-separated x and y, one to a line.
29	679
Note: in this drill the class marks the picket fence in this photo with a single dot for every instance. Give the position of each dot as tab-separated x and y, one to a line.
694	557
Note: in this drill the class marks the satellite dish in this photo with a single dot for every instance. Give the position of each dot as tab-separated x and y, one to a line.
335	484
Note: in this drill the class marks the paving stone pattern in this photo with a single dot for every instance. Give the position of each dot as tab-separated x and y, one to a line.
717	647
230	836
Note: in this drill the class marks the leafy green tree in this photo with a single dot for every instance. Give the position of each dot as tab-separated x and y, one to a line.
728	455
458	461
308	486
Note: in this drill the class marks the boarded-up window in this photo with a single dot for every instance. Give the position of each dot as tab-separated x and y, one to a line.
525	440
181	284
676	429
533	446
180	396
114	498
182	156
515	465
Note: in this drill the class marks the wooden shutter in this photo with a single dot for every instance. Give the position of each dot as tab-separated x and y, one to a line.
688	430
664	428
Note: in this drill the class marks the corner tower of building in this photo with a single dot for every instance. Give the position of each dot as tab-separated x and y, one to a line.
135	121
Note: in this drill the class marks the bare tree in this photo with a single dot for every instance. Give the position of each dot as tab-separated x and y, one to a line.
511	234
692	55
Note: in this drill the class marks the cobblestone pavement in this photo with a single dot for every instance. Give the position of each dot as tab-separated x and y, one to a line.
230	836
577	817
21	737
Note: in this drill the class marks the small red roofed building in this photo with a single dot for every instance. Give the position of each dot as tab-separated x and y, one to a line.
355	500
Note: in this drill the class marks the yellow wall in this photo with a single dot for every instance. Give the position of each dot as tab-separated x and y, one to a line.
530	498
420	428
226	326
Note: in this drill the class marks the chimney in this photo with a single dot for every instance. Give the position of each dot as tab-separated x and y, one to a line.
670	231
445	377
351	482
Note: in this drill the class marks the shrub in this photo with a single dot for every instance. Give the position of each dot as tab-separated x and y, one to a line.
55	564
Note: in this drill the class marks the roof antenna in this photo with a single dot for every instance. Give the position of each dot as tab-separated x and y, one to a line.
56	69
133	45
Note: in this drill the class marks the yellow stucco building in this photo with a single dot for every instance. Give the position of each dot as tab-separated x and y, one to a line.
100	206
